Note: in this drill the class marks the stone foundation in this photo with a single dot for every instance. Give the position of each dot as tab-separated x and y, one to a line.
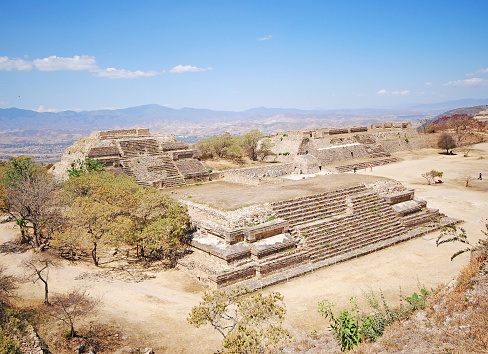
295	235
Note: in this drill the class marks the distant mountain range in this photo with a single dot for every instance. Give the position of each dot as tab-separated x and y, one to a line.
205	122
45	135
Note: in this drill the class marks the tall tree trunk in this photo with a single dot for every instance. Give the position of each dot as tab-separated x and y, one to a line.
94	253
35	237
46	291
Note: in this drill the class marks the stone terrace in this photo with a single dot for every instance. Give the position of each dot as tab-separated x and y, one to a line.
293	227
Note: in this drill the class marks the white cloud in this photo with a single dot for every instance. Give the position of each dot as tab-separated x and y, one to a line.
86	63
43	109
475	81
113	73
265	38
187	68
480	71
402	93
16	63
53	63
428	84
382	92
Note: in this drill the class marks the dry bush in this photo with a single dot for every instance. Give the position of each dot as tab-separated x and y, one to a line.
99	338
455	319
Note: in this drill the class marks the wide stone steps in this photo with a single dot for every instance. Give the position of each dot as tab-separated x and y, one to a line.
373	220
341	242
133	148
150	170
348	226
303	210
365	165
337	237
425	216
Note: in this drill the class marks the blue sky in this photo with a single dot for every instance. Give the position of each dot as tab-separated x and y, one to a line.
235	55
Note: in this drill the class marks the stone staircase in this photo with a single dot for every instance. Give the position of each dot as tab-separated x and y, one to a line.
303	210
372	221
159	170
365	165
138	147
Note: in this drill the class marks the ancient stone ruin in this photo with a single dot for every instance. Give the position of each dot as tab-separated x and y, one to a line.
313	149
266	243
154	160
273	239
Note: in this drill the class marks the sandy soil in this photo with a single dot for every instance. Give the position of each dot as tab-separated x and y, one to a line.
153	312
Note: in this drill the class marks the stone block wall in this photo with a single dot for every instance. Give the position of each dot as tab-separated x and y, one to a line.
398	197
265	230
232	277
251	215
282	263
275	170
340	153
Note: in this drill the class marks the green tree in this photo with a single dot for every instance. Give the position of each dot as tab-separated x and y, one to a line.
18	169
104	209
249	323
160	226
80	167
220	146
250	143
97	219
264	149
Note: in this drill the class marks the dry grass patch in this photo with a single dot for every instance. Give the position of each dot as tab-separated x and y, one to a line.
455	319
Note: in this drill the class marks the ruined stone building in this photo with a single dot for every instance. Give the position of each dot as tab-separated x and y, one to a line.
276	228
154	160
324	223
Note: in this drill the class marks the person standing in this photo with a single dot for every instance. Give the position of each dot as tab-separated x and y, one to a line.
354	168
480	176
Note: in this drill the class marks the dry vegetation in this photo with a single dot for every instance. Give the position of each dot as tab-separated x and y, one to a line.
455	319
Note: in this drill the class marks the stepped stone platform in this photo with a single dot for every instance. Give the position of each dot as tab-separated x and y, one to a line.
261	235
154	160
332	145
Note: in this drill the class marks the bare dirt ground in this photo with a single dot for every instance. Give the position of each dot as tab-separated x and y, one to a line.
152	313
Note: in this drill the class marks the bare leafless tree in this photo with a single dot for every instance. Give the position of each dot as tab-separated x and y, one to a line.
38	270
69	307
7	285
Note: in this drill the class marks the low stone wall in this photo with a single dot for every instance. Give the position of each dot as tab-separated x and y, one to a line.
389	125
251	215
282	263
274	170
408	143
398	197
121	133
267	229
232	277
